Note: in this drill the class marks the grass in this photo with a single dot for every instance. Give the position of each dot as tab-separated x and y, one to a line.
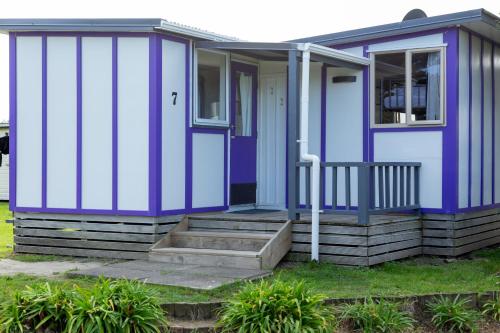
6	240
409	277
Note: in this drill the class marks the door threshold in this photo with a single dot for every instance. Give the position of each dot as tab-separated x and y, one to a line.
237	208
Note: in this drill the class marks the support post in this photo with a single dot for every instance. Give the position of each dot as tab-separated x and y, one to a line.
364	190
293	125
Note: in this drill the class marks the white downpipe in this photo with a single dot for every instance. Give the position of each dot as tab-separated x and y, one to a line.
304	154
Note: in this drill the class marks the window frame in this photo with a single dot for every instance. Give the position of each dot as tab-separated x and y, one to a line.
408	52
203	122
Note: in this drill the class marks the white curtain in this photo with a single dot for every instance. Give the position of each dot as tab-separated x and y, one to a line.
246	104
433	85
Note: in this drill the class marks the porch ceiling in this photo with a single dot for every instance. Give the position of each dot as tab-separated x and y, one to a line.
279	52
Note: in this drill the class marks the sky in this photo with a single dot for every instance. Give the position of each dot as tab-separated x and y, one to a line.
255	20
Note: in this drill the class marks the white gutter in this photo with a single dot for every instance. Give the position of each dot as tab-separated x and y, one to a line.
304	154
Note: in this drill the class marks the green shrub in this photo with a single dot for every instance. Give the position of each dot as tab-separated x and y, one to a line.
276	306
492	308
453	315
40	308
119	306
377	316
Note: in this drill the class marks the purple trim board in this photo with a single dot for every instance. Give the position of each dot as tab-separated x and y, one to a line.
12	119
44	121
79	123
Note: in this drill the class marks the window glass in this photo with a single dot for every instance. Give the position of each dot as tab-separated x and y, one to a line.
426	84
243	114
211	86
390	87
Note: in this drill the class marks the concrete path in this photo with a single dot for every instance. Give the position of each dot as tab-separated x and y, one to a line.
43	268
178	275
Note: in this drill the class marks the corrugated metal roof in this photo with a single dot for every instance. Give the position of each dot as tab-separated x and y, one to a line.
469	19
109	25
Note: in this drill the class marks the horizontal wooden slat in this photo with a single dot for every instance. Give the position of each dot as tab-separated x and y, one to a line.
84	244
85	235
81	217
63	251
87	226
396	246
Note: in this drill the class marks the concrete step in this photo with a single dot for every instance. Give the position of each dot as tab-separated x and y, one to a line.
220	240
207	257
185	326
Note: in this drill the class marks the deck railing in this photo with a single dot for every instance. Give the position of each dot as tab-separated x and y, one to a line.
362	188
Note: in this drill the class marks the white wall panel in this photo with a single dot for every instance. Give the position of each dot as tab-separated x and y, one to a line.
344	128
61	122
488	130
358	50
173	125
208	170
421	41
424	147
133	124
97	113
463	121
497	123
29	121
476	123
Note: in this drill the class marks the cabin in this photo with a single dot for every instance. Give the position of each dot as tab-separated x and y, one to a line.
356	147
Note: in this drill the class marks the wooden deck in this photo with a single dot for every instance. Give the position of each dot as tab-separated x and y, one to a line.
342	239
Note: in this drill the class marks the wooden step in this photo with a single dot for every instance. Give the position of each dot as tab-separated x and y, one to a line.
232	225
207	257
220	240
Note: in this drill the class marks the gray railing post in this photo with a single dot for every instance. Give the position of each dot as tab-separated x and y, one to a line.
364	190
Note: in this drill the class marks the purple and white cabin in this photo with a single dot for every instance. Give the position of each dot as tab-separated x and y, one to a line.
129	134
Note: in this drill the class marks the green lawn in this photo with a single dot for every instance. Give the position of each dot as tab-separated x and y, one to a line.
6	240
480	272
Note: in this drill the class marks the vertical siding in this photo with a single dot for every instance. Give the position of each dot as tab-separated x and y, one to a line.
463	121
29	121
173	172
97	123
487	126
479	120
475	122
133	123
61	122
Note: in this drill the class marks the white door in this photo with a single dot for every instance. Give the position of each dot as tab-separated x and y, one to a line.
271	146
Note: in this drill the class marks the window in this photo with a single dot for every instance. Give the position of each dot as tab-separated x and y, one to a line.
243	112
211	88
408	88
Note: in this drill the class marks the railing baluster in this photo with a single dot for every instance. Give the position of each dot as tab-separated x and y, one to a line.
363	194
381	203
322	174
387	179
347	188
334	187
394	186
401	185
372	186
308	187
416	171
408	186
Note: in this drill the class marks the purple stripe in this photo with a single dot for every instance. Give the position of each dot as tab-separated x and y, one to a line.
79	123
44	121
154	125
493	123
115	122
189	138
450	132
12	120
482	125
469	181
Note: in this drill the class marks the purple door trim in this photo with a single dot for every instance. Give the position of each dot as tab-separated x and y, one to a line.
469	180
481	184
155	73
